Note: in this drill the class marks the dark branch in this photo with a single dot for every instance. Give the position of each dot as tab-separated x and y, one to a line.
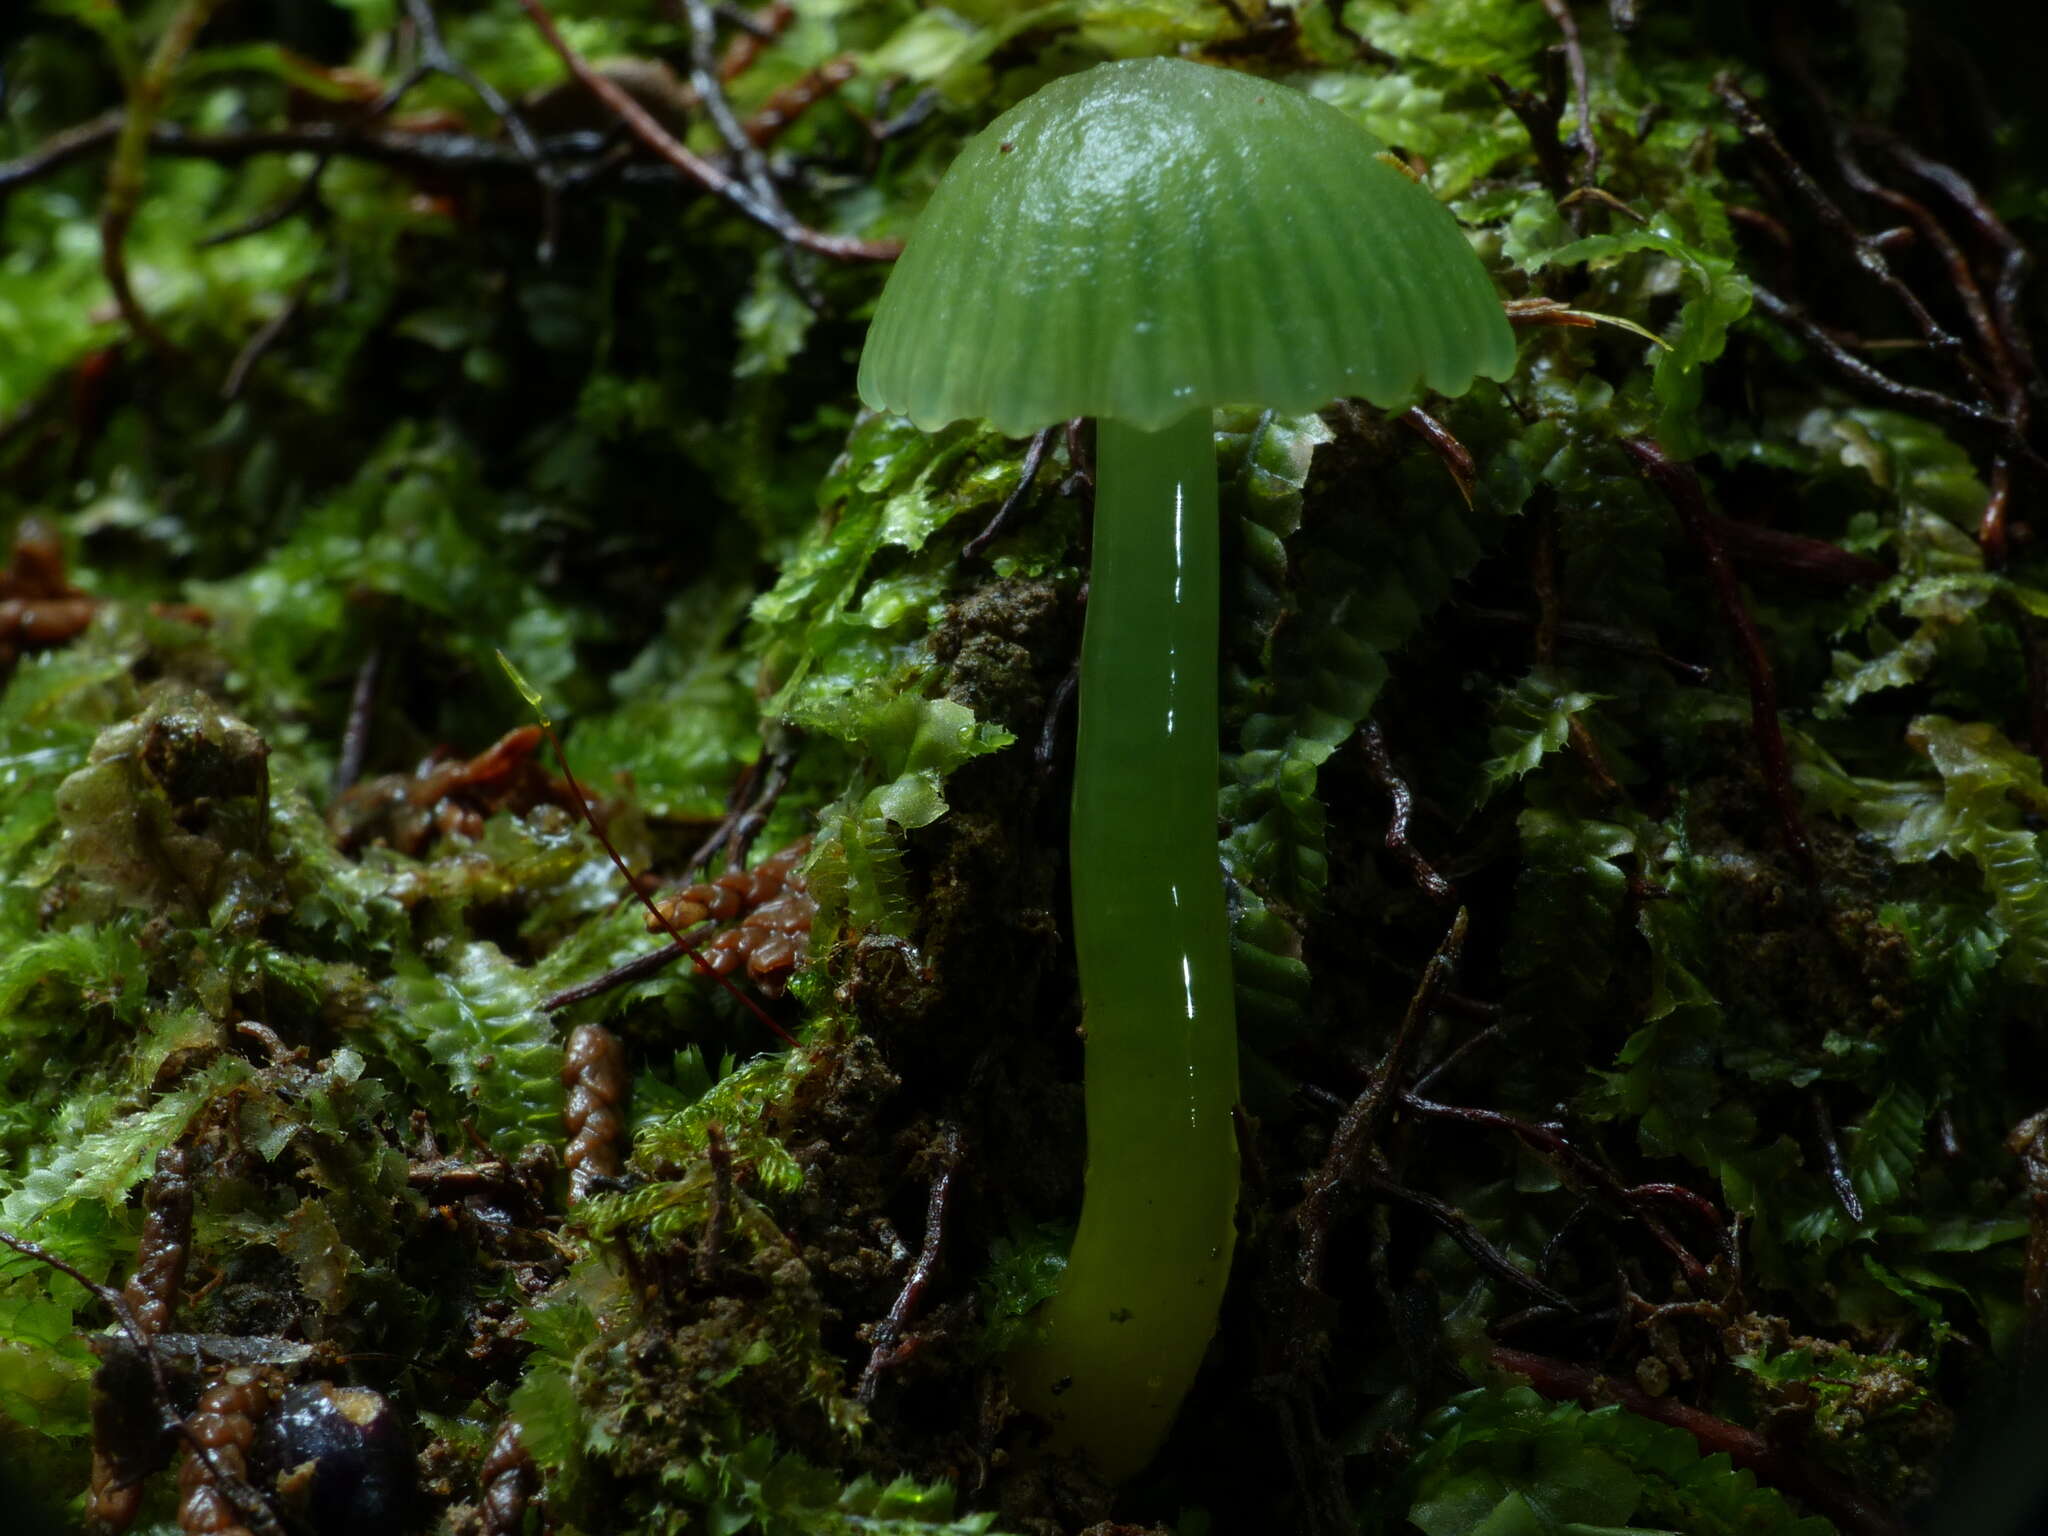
1681	487
1402	801
1354	1158
703	173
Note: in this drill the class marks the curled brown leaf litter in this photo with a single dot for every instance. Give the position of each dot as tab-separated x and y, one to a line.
595	1075
448	797
769	908
39	607
152	1291
223	1425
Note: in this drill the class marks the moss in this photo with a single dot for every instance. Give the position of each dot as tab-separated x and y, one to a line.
171	814
638	468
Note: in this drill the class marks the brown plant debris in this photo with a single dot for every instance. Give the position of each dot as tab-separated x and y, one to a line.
769	908
448	797
595	1075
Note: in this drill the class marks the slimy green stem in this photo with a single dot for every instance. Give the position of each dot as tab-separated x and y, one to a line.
1122	1341
1138	243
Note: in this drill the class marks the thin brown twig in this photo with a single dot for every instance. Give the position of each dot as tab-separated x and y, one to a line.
2017	264
1456	1225
1443	442
1540	116
261	341
1857	371
755	816
436	58
1605	199
639	968
706	175
1969	294
1034	456
1401	800
889	1333
1996	322
246	1499
1598	637
303	198
1552	1145
61	149
1992	532
1839	1181
756	31
355	733
1353	1155
660	917
1775	549
1045	756
780	112
1483	1036
697	18
746	810
414	151
921	107
1867	252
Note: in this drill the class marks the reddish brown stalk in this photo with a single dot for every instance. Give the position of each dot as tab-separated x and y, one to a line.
1868	252
1454	455
1753	544
1034	456
1539	116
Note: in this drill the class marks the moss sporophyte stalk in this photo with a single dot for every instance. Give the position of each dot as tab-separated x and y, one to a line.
1140	243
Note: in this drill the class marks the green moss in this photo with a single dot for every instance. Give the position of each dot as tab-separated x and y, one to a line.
639	469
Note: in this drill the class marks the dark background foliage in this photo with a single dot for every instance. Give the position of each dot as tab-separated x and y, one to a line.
1631	807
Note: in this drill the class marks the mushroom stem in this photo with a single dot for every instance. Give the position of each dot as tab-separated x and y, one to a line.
1123	1338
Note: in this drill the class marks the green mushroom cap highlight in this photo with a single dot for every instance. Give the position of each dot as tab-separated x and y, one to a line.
1155	236
1140	243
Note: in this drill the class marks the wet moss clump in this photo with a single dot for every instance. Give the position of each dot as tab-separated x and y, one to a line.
1630	819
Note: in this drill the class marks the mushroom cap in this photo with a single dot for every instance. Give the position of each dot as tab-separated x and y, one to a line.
1153	236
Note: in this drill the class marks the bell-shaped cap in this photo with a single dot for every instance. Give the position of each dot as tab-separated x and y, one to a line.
1153	236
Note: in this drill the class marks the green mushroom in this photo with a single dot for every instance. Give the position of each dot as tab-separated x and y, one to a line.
1140	243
